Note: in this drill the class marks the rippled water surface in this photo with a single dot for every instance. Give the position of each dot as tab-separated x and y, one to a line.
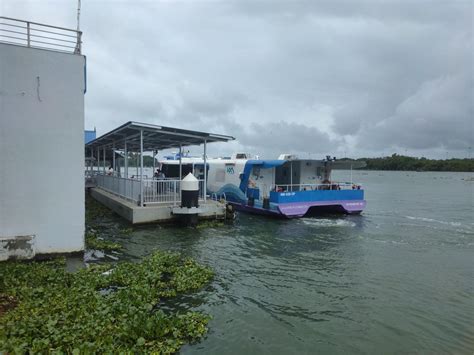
398	278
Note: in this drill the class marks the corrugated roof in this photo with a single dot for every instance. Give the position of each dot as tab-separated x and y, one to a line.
154	137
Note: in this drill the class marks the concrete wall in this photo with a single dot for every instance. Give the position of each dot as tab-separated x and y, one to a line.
42	148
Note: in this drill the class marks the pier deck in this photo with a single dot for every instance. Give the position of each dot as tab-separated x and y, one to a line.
153	213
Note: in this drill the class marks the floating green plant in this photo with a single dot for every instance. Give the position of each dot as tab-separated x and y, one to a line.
98	243
102	308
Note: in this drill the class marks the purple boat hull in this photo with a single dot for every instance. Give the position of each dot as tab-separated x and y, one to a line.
300	209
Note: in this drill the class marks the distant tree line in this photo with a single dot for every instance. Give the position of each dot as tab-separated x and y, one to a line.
404	163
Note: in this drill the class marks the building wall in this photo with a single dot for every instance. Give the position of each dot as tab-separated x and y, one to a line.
42	148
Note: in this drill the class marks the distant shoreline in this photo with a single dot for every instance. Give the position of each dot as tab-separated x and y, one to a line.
405	163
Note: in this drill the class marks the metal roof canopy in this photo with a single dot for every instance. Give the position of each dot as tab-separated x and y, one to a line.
154	137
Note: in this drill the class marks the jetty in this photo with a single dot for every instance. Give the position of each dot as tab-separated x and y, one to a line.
129	191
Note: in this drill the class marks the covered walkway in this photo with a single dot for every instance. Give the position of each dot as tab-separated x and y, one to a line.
133	186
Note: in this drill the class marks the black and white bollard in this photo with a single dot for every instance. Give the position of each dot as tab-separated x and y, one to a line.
189	208
190	191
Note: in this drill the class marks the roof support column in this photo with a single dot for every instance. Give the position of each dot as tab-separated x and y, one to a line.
103	162
141	167
113	157
205	170
98	159
180	164
126	160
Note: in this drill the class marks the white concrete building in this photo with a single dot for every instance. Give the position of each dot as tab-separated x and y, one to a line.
41	140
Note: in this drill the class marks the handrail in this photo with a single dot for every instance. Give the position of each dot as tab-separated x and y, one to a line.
333	185
154	191
30	32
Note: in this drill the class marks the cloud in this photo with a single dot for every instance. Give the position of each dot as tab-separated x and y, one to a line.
358	77
438	115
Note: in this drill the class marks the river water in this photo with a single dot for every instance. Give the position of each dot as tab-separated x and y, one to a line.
397	279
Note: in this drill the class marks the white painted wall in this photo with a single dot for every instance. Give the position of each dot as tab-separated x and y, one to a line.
42	147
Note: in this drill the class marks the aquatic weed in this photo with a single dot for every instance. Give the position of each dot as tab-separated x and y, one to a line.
58	311
98	243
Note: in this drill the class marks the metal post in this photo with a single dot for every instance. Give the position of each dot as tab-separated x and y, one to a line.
141	167
98	159
291	175
180	162
103	164
113	157
28	40
126	160
154	167
205	170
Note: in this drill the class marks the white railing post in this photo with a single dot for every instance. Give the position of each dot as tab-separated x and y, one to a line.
174	193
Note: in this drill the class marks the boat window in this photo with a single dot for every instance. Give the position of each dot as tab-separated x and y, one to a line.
241	156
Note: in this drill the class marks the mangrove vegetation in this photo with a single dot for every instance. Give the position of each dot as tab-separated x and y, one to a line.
405	163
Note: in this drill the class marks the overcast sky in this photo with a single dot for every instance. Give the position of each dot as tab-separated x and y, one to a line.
355	78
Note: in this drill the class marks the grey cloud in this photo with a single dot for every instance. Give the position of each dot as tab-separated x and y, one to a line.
386	73
438	115
281	137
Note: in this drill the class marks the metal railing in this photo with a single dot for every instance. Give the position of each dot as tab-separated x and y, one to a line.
128	189
154	191
165	191
313	187
38	35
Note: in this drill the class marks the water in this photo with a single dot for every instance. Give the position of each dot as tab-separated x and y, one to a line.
397	279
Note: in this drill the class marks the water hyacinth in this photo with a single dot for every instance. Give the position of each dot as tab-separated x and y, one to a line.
101	308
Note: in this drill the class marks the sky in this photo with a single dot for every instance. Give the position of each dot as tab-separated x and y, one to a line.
312	78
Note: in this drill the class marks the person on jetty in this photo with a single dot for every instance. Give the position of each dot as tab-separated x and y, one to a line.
110	171
159	175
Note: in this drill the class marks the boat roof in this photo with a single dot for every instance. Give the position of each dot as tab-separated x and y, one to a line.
154	137
270	163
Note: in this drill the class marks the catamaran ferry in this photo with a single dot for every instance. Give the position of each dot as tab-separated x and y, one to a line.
286	187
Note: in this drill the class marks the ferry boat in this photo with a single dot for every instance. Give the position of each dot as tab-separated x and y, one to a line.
286	187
